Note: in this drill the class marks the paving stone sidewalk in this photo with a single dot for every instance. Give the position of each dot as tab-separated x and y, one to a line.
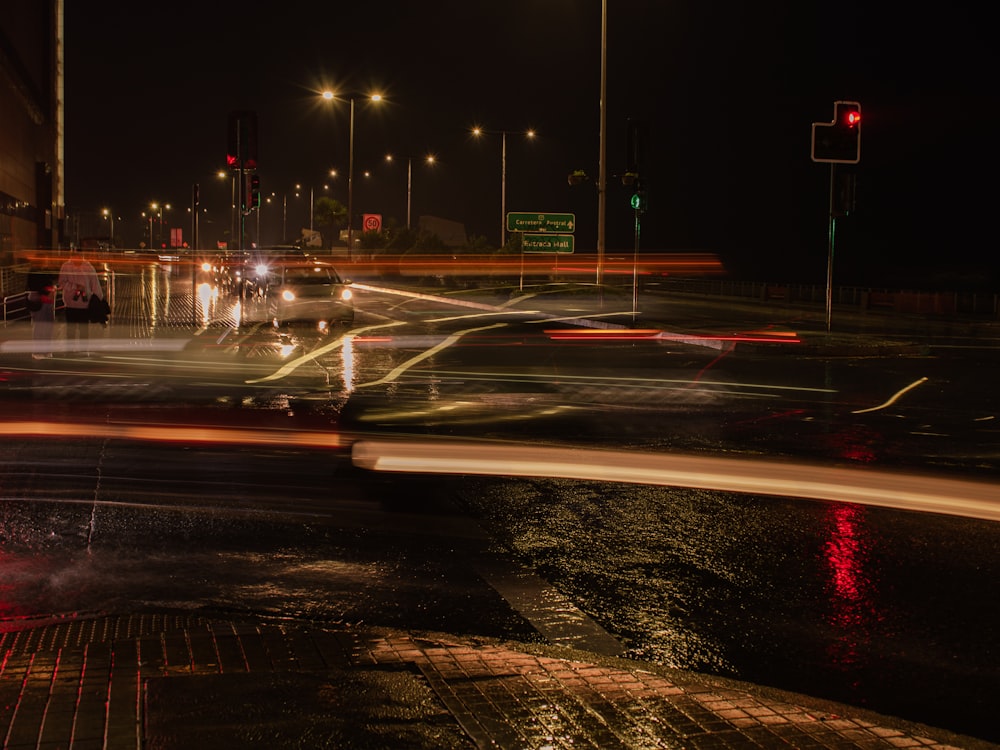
165	680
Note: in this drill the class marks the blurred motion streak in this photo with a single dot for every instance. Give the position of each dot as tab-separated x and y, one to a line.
891	400
792	480
648	264
540	264
174	433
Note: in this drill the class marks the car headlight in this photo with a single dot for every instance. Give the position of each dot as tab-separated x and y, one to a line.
346	295
261	270
288	295
206	266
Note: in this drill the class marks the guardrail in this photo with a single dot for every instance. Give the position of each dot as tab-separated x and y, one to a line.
13	284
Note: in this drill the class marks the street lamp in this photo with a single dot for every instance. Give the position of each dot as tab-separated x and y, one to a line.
108	215
330	96
222	174
478	131
429	159
312	195
158	207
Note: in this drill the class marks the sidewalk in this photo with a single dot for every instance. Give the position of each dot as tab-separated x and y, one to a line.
164	680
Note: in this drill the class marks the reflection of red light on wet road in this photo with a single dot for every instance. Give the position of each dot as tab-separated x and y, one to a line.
852	609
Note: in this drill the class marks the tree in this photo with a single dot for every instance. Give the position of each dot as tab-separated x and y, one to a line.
372	241
332	215
478	243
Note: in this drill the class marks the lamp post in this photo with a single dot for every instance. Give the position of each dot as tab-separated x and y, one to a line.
109	215
330	96
222	175
158	207
602	177
429	159
477	131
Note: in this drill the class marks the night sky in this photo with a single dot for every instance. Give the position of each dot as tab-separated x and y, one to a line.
727	90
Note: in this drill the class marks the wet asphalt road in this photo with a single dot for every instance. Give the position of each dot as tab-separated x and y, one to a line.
884	609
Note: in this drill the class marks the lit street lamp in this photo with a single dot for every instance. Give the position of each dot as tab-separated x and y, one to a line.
222	174
330	96
312	195
429	159
109	215
158	207
477	131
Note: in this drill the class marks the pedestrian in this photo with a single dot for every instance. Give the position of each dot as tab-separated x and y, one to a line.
42	305
78	282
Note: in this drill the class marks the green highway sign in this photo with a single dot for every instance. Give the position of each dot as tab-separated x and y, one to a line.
544	242
537	222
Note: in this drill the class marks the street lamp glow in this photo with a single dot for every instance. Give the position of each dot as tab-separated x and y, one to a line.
108	214
429	159
330	96
478	131
157	208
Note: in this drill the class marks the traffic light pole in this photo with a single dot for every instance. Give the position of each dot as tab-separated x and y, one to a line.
241	207
837	142
831	230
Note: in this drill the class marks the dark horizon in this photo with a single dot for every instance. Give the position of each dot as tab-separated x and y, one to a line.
728	98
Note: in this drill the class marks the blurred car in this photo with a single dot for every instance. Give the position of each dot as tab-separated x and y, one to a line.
252	273
308	292
212	269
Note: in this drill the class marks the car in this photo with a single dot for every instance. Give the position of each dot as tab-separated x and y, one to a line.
251	270
211	269
308	292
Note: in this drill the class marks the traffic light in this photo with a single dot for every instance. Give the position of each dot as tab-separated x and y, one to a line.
241	151
254	201
839	142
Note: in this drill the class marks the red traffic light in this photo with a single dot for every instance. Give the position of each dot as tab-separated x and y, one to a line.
839	141
847	114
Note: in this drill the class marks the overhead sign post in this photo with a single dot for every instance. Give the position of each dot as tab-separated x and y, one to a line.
535	228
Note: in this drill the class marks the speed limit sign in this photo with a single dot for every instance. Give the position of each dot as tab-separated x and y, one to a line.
372	222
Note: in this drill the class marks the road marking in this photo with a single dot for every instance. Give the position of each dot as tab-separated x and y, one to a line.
553	615
454	338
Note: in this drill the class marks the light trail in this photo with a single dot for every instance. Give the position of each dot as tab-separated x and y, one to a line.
901	491
895	397
165	433
621	379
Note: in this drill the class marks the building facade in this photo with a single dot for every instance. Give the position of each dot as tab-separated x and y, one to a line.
32	200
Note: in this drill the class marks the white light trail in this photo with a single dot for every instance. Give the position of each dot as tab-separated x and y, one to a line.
928	494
